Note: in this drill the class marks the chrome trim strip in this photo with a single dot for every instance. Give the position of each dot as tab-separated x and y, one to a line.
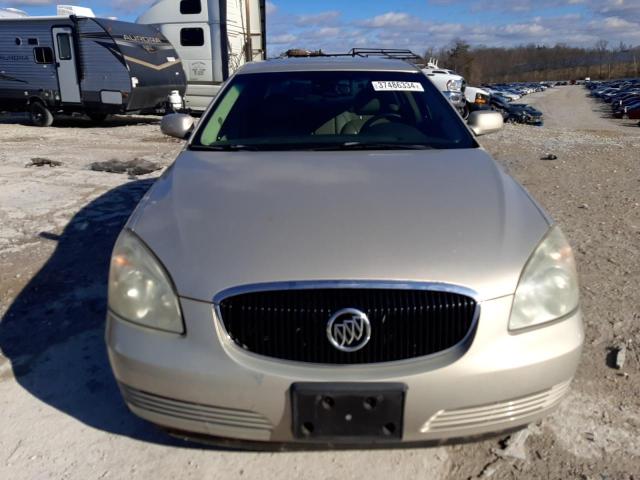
455	352
192	411
342	284
495	413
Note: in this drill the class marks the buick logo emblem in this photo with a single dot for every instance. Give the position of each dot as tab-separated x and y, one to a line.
349	330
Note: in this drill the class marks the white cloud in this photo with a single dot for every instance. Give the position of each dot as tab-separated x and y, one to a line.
617	23
629	9
324	18
389	19
524	29
582	25
27	3
285	39
118	6
271	8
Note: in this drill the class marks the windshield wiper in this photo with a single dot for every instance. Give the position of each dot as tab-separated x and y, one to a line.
225	148
316	147
375	146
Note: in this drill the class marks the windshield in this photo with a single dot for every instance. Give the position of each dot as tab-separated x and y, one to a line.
331	110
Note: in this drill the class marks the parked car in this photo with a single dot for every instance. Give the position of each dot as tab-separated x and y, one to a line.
633	111
334	260
621	105
622	95
510	95
517	112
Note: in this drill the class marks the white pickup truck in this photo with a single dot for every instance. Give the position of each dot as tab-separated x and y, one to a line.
454	87
449	83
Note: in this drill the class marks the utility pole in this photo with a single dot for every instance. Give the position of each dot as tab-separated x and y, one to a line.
248	50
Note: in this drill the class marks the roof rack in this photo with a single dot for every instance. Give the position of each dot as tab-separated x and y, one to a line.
391	53
394	53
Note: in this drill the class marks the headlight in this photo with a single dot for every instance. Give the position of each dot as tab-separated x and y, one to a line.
454	85
140	290
548	287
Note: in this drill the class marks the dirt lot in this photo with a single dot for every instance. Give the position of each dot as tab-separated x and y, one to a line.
62	416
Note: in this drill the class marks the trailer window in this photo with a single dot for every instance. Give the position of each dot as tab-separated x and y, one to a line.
33	41
191	37
64	46
43	55
190	7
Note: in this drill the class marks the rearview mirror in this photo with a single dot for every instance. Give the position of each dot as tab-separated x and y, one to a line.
484	122
178	125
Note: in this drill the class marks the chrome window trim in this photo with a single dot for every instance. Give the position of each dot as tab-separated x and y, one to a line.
448	356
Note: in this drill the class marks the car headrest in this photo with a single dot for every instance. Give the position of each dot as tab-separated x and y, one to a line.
372	107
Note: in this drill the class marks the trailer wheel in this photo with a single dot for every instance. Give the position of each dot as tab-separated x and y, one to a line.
97	117
40	115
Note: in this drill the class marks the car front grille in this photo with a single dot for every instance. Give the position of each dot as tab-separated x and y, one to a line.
291	324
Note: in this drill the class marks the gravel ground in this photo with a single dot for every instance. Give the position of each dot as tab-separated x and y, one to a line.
62	416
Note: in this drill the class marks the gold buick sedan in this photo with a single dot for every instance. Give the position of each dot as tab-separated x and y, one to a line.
333	260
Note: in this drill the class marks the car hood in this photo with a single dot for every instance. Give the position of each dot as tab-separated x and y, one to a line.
526	108
219	220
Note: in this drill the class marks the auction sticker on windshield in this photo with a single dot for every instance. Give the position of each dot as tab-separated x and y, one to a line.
392	86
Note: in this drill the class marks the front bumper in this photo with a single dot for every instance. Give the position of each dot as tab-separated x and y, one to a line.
534	120
527	119
204	384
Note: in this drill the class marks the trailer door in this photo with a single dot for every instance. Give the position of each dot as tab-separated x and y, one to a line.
66	65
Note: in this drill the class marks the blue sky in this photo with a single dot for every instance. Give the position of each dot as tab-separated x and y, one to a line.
336	25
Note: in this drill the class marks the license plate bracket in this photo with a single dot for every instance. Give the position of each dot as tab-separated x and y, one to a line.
340	412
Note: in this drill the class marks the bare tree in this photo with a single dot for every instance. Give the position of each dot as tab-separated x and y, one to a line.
601	49
460	58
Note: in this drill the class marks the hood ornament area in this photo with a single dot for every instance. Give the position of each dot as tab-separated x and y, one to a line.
349	330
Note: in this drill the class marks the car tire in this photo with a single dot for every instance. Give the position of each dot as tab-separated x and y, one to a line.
97	117
40	115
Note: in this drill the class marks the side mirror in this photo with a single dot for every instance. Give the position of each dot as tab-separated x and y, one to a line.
483	122
178	125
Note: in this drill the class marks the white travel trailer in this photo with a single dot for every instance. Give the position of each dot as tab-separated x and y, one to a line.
96	66
212	37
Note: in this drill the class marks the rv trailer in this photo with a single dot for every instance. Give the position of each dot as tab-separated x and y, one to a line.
213	38
71	64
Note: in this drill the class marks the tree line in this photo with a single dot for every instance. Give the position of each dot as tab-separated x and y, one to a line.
537	63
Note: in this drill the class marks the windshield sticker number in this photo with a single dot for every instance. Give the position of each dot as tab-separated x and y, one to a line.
390	86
